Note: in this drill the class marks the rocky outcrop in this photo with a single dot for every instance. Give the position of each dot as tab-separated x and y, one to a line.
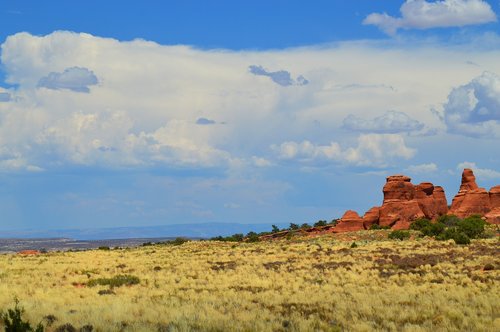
404	202
399	206
350	222
471	199
493	216
431	200
371	217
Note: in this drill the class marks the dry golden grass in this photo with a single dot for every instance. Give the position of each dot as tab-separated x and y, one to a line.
308	284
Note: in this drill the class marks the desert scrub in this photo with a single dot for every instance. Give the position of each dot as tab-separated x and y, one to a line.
399	235
305	284
116	281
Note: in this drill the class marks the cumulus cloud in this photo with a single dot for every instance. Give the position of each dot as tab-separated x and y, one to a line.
281	77
371	150
482	173
75	79
473	109
422	14
423	168
155	103
390	122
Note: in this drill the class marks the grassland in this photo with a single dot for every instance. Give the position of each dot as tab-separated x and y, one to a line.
299	284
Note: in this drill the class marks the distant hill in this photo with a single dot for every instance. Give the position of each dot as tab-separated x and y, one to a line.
202	230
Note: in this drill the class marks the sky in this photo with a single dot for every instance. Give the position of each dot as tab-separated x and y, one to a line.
127	113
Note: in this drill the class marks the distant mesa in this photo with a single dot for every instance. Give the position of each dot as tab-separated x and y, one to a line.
405	202
29	252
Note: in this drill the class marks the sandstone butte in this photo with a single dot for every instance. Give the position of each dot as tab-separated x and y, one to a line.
405	202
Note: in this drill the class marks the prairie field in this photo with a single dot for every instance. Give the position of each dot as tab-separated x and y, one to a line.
299	284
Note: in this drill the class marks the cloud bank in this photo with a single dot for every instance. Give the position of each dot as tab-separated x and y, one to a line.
389	122
141	105
374	150
473	109
422	14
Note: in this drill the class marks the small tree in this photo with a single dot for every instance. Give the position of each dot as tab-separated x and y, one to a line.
320	223
14	323
293	226
275	229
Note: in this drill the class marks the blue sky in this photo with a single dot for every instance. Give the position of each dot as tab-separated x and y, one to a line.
146	113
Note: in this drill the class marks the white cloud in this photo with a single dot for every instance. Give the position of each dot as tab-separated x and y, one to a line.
421	14
389	122
481	173
423	168
371	150
75	79
151	100
261	162
474	109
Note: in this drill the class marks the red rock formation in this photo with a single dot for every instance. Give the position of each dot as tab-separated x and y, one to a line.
400	206
398	188
468	183
403	203
29	252
471	199
431	200
350	222
495	197
371	217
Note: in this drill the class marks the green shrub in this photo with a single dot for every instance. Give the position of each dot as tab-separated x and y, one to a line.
472	226
420	223
461	238
178	241
252	237
13	321
354	245
454	234
448	220
116	281
105	248
377	226
399	235
233	238
433	229
275	229
305	226
293	227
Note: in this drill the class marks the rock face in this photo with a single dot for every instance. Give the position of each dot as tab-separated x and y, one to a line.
431	200
404	202
399	206
471	199
371	217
